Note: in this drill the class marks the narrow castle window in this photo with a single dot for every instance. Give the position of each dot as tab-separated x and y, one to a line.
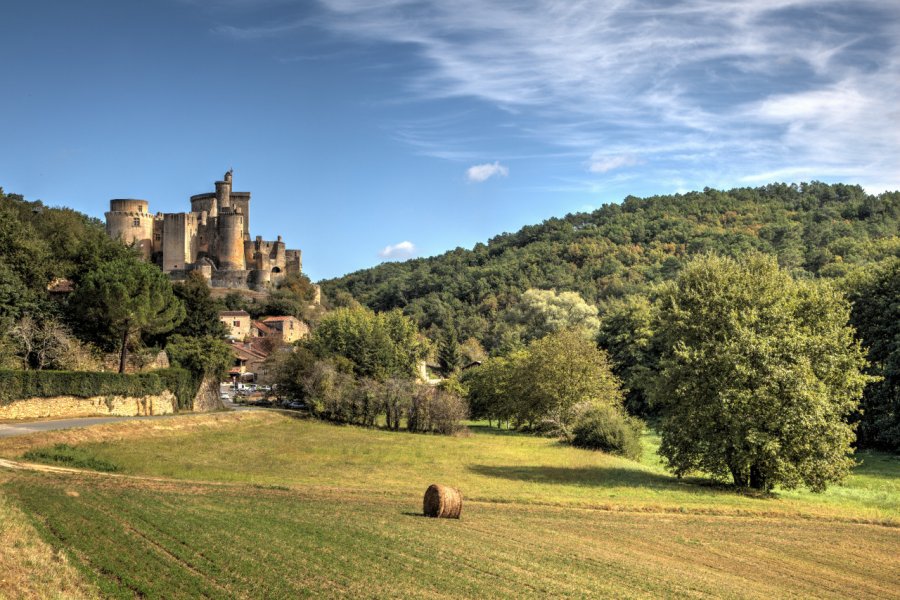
137	221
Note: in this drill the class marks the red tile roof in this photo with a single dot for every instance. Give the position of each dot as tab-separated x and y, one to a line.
277	319
263	328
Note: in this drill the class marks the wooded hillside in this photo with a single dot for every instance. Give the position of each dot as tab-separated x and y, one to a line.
815	229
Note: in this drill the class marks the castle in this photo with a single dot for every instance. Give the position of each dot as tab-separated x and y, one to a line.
213	239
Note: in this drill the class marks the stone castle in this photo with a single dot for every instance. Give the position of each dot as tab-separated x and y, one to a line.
213	239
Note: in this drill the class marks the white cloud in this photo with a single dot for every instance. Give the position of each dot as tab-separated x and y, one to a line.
600	163
405	249
479	173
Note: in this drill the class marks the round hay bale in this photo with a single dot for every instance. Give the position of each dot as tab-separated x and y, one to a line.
442	502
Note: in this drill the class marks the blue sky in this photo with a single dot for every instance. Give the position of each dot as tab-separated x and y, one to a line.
375	130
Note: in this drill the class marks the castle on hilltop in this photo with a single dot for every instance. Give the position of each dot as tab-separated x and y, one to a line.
213	239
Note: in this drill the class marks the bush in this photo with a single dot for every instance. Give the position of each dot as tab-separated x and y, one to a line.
609	429
437	411
70	456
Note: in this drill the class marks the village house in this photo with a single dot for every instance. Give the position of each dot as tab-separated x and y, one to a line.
249	362
288	329
237	322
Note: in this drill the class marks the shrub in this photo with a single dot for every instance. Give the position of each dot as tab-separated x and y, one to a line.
437	411
70	456
609	429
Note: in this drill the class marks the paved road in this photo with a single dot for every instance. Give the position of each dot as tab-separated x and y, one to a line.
11	429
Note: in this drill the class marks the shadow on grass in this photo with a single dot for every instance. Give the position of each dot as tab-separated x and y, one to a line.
601	477
480	428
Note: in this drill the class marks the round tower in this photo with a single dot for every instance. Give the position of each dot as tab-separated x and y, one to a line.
130	220
204	203
231	241
223	192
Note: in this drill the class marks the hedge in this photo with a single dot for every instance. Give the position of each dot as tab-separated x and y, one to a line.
18	385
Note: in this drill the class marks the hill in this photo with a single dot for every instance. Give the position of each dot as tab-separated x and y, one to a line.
815	229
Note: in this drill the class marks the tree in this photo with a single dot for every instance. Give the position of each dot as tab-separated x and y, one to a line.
876	316
202	356
562	373
124	298
758	375
626	333
545	311
377	345
449	355
201	310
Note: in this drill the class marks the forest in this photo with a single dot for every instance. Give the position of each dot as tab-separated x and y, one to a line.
618	261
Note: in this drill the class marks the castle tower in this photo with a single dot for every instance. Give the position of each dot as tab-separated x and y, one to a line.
130	220
223	192
179	241
231	240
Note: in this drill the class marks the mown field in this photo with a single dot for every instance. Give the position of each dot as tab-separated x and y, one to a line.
261	505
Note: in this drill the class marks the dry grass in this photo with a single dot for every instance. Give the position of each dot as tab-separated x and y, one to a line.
29	567
14	447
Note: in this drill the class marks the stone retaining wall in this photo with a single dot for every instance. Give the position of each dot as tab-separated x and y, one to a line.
71	406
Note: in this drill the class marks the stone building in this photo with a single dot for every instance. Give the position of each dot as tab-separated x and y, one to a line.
213	239
287	329
237	322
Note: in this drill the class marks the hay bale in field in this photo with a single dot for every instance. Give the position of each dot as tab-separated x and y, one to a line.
442	501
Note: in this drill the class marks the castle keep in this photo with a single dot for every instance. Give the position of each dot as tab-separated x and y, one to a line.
213	239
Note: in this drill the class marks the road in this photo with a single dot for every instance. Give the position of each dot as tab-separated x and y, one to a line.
11	429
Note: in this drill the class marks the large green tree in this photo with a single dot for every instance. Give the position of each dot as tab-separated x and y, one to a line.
201	310
376	345
542	312
626	333
554	379
124	298
758	375
876	316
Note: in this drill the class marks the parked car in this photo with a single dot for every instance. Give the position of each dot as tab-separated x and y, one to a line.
296	405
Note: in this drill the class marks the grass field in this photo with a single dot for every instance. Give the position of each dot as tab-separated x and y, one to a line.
262	505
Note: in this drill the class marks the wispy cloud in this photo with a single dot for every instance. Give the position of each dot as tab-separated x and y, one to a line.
601	163
405	249
732	89
479	173
763	84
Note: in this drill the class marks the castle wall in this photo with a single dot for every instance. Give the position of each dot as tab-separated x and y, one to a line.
231	279
130	220
293	261
179	241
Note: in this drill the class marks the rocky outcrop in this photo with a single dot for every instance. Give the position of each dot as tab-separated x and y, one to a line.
207	397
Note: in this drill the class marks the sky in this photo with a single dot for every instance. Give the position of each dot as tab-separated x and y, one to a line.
381	130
